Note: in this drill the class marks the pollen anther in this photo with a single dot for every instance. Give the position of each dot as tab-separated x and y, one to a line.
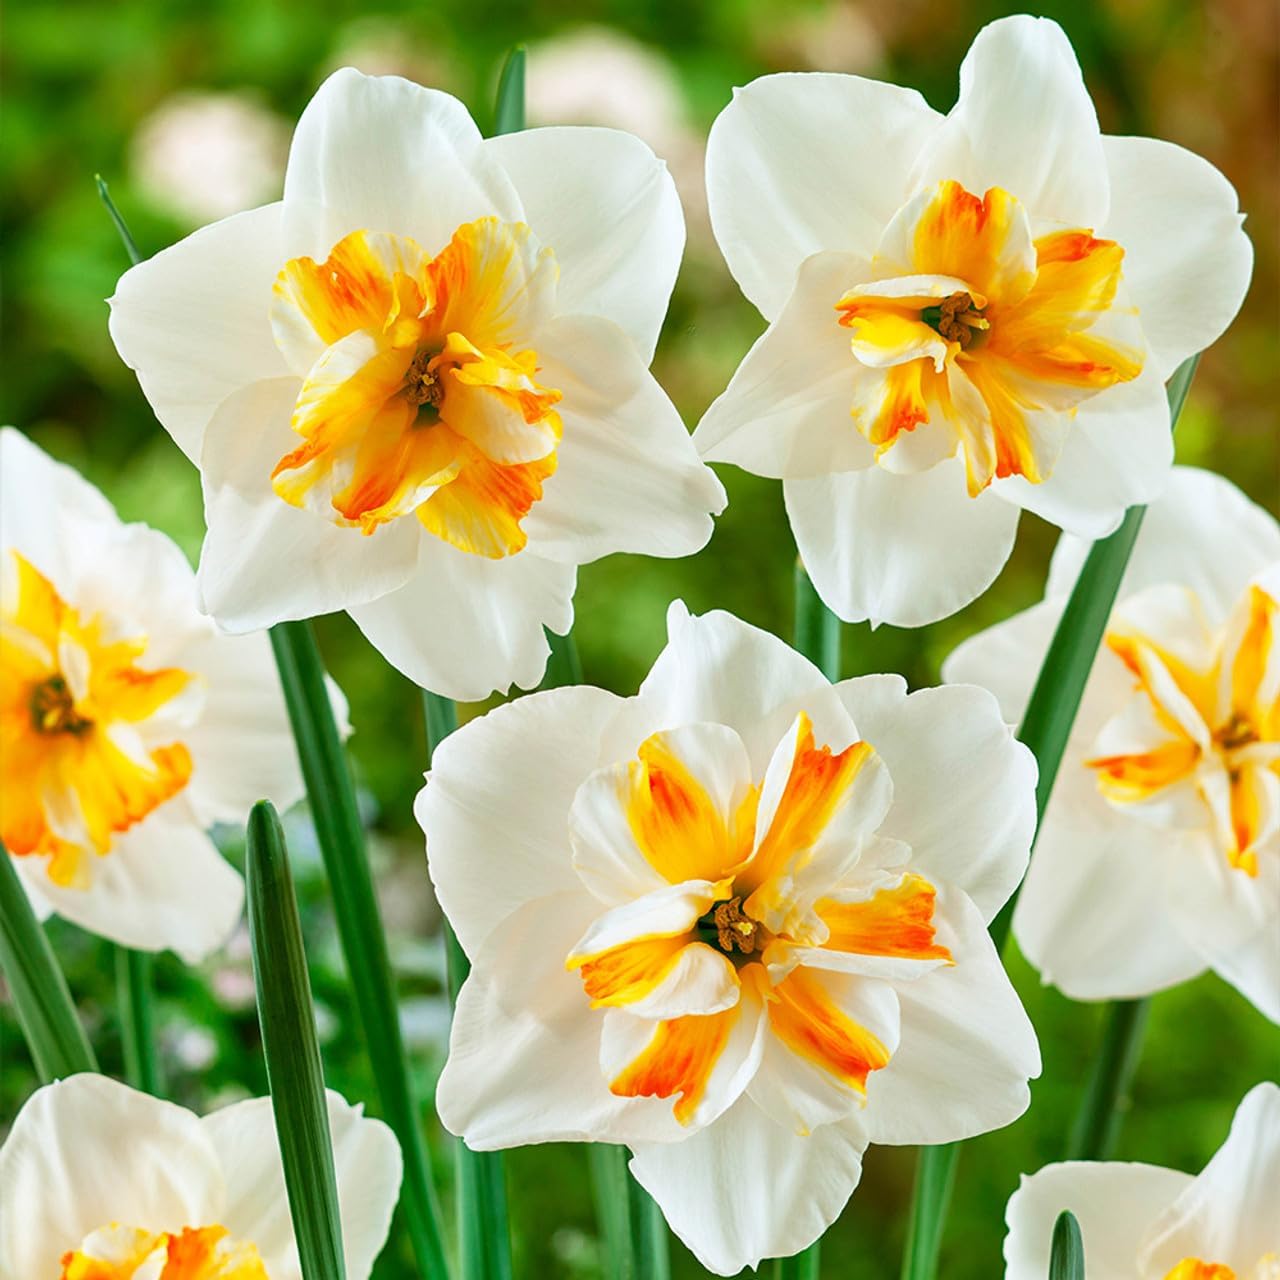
956	318
53	708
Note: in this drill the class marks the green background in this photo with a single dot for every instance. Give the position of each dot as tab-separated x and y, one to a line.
82	80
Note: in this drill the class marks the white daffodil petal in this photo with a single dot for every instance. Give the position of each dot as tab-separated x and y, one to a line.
950	756
731	1217
1113	1203
906	550
666	913
1024	122
1227	1215
627	476
366	1159
967	1048
719	669
194	320
85	1153
800	163
1201	532
164	885
574	181
384	154
1187	261
495	812
523	1030
465	627
1117	453
263	560
787	410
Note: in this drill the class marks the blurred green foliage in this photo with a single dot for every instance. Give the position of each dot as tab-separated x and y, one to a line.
83	83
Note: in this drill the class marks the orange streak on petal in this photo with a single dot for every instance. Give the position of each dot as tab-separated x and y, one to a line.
1194	1269
893	922
630	971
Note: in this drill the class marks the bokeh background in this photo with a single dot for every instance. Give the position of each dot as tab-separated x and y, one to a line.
186	108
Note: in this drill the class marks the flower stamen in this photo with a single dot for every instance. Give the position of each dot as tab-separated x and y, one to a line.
422	385
956	318
729	928
53	708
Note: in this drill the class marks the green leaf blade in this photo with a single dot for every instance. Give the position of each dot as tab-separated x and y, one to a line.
1066	1254
817	629
287	1018
509	115
134	970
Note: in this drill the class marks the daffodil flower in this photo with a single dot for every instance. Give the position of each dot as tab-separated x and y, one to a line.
1160	851
128	724
968	314
1143	1222
417	388
100	1182
737	922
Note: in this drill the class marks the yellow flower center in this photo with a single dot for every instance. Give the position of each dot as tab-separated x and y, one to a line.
194	1253
1209	719
421	395
980	331
77	764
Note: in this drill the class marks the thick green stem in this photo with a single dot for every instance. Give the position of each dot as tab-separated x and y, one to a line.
364	944
632	1229
58	1044
817	629
137	1027
1106	1094
484	1236
804	1266
930	1200
289	1044
1066	1249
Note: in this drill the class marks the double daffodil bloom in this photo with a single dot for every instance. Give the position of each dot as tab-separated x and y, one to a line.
100	1182
969	314
737	922
417	388
1161	845
128	724
1142	1222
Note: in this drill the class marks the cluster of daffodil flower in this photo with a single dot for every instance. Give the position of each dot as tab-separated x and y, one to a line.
737	922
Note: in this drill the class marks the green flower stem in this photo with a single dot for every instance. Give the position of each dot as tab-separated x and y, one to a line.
137	1030
817	629
296	1078
806	1265
1066	1251
930	1200
1046	726
508	117
1106	1093
484	1236
632	1228
364	944
58	1044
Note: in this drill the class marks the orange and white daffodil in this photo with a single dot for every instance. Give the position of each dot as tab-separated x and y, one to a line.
100	1182
129	724
968	314
1144	1222
737	922
1160	851
417	388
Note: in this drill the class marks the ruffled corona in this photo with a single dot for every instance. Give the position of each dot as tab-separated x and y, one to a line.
194	1253
418	401
1204	719
76	767
984	334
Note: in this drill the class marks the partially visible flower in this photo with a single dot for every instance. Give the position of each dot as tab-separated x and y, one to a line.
1161	844
128	724
100	1182
209	155
1143	1222
737	922
417	388
968	314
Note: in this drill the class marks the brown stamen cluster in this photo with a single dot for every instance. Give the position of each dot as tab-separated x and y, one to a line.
958	318
53	708
735	930
1239	731
421	385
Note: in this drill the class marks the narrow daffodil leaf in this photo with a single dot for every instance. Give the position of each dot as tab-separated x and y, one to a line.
294	1074
1066	1254
1106	1093
57	1041
817	629
564	667
510	113
137	1025
930	1200
805	1265
632	1230
104	194
364	945
484	1237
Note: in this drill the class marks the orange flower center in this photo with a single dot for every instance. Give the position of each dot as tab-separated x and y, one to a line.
78	760
194	1253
